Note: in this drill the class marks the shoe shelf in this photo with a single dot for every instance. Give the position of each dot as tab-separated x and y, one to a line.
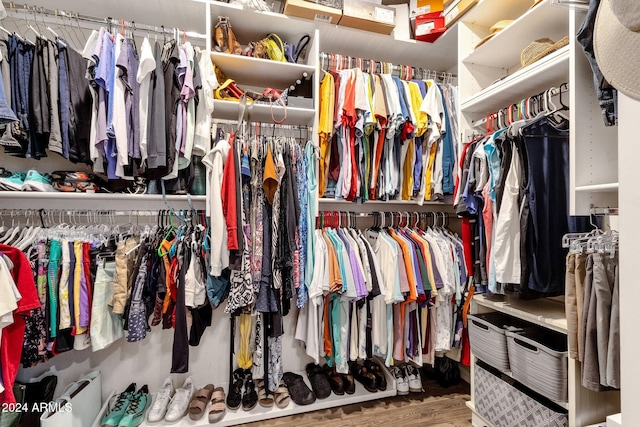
96	201
259	413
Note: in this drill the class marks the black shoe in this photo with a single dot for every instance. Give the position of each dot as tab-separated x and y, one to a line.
250	397
298	389
234	398
378	372
366	378
319	381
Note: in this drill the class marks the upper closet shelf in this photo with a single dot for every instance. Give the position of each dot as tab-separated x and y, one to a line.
251	25
503	50
264	113
255	71
543	312
548	71
96	201
488	12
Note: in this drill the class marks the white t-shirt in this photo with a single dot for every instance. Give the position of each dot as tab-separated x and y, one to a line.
202	139
146	67
120	114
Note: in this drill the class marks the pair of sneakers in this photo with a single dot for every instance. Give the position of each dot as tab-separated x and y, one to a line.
171	404
407	379
127	409
27	181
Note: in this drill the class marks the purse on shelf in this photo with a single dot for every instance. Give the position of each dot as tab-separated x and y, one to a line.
79	404
270	47
292	52
224	39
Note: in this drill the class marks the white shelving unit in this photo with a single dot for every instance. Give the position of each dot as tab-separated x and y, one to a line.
490	79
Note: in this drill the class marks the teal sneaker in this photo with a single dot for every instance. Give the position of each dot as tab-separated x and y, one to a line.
118	409
13	183
136	409
35	181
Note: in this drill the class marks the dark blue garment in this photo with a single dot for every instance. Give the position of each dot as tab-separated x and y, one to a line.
20	59
65	98
607	95
547	193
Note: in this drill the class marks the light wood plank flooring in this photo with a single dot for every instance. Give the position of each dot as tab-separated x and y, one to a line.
436	407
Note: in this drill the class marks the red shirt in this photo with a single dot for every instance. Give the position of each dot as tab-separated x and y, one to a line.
13	335
229	202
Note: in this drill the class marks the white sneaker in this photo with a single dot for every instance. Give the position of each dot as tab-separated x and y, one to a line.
180	402
159	407
413	378
402	385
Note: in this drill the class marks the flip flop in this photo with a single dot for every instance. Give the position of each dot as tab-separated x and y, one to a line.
218	407
199	402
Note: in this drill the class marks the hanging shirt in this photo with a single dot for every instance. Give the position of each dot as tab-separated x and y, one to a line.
146	67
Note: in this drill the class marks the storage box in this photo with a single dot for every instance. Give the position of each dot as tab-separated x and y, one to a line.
402	31
420	7
429	27
488	339
506	403
538	359
368	16
457	10
309	10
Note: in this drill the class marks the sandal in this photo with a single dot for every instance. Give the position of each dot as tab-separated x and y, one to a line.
250	397
199	402
377	371
281	395
349	383
366	378
335	380
218	408
234	399
265	400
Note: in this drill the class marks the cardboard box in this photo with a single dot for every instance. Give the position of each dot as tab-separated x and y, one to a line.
429	27
403	25
308	10
368	16
421	7
457	11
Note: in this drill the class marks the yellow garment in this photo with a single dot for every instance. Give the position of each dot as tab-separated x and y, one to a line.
416	102
245	360
77	273
325	129
407	171
429	170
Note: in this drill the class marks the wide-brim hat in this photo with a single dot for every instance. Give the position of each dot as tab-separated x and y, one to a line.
495	29
616	44
540	48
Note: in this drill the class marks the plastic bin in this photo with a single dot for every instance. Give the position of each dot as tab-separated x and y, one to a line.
506	403
487	337
538	359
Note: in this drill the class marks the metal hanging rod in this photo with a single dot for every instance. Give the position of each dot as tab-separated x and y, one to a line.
334	61
21	10
603	211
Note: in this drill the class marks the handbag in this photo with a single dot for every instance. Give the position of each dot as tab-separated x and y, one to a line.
224	39
293	52
79	404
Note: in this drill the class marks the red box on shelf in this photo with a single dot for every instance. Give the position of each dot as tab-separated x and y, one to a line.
429	27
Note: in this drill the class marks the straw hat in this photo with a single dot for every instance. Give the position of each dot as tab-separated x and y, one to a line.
495	29
539	49
616	44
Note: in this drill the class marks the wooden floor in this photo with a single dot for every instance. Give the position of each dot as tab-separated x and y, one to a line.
436	407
